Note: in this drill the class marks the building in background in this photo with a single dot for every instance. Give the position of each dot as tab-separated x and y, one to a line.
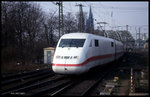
81	24
48	55
90	23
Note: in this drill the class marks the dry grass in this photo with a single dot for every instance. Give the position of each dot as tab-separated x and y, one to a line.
12	68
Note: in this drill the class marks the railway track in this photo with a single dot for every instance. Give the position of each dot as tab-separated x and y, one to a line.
60	85
56	84
40	87
18	78
83	85
8	77
26	79
78	88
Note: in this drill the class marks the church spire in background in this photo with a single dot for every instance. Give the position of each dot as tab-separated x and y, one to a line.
81	26
90	23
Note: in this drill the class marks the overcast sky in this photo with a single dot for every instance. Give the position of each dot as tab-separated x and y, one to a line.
134	14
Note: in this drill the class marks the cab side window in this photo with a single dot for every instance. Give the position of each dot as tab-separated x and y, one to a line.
112	44
96	43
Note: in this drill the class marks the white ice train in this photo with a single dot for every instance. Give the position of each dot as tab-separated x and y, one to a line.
76	53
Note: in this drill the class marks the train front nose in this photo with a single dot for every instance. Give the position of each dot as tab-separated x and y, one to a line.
68	69
69	65
68	56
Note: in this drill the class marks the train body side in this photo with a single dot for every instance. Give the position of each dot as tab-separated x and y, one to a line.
96	51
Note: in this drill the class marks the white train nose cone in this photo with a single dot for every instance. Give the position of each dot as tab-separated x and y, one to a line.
69	69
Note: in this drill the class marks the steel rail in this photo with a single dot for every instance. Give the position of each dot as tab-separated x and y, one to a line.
33	86
31	81
4	77
23	78
85	92
49	88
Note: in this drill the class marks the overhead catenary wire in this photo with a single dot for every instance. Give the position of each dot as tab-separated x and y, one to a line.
105	11
95	13
105	14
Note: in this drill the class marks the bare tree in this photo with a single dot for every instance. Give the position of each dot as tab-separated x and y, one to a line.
8	38
22	21
26	30
70	23
50	26
33	23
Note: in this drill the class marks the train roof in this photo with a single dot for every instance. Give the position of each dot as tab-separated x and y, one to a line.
82	35
74	35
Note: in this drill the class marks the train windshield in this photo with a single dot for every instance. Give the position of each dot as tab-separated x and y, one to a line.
71	42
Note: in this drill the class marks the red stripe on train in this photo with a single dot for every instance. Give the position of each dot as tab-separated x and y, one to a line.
88	60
